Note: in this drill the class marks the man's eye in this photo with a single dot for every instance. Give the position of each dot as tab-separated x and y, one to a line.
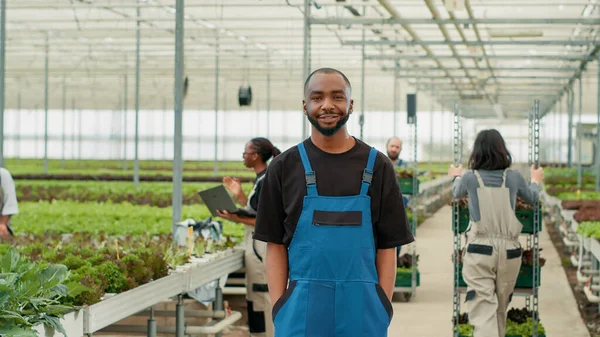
339	97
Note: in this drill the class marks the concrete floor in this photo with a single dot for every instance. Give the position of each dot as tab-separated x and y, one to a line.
429	313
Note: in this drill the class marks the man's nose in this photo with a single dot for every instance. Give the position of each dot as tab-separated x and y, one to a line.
328	104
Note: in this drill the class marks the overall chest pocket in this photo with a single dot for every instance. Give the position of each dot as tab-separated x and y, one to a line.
333	218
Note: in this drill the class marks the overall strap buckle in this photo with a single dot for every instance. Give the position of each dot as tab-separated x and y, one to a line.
311	178
367	176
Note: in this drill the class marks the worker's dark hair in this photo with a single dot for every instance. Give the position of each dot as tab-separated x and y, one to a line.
264	148
490	152
326	71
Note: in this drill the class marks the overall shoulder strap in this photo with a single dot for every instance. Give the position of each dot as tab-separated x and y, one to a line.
368	172
504	177
309	174
481	184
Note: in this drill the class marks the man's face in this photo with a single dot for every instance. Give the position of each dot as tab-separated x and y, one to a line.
394	148
327	105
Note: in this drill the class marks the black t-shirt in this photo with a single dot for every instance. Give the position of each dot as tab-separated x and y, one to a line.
257	187
284	188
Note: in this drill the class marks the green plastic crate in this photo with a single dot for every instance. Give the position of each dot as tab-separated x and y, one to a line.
525	217
404	279
524	280
406	185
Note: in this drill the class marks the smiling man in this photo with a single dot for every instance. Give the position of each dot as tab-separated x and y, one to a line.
331	213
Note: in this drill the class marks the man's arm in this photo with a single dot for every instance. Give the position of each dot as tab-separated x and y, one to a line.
386	270
277	270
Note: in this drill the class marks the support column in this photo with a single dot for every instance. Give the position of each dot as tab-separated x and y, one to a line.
431	128
64	118
215	160
361	120
2	73
268	95
598	132
73	129
178	138
46	108
136	161
306	59
560	127
570	130
125	120
164	123
396	74
18	128
579	136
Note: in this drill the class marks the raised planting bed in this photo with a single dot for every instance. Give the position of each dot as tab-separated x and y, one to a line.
159	194
104	264
123	177
519	323
523	211
63	217
579	204
525	278
587	214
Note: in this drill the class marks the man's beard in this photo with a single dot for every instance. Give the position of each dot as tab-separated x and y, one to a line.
393	156
328	131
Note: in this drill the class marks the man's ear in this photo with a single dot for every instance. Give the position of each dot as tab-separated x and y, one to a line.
351	106
304	107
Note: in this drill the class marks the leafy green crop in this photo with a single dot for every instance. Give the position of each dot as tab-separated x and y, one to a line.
41	218
585	195
158	194
589	229
31	293
512	329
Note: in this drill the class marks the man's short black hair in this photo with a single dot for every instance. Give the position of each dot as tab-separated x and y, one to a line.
326	71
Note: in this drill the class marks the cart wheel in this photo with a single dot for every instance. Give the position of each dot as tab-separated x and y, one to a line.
407	296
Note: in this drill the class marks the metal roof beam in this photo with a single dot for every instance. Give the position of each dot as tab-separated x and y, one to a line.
472	43
412	69
497	57
486	21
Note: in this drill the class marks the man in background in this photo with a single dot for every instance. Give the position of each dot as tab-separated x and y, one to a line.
394	148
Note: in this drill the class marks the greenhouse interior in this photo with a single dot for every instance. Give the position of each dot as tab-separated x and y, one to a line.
126	125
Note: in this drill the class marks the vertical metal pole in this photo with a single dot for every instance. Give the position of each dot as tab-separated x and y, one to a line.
136	161
164	123
73	128
579	136
179	309
64	118
219	305
215	160
395	125
125	99
431	128
18	129
560	127
46	107
306	57
178	138
80	133
536	253
362	83
598	131
570	126
268	95
151	324
2	73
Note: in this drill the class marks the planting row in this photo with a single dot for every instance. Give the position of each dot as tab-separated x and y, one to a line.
519	323
159	194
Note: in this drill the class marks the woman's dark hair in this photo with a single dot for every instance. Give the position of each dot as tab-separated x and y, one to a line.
489	152
264	148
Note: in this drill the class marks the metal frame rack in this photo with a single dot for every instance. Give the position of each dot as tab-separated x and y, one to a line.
533	240
531	294
458	146
412	290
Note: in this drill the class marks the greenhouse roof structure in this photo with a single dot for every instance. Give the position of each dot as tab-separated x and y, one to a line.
492	57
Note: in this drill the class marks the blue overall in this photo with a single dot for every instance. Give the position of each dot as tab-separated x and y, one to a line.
334	289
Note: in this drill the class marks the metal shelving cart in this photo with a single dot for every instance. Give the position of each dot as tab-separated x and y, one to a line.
531	294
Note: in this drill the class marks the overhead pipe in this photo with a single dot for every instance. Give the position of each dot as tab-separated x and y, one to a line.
396	15
471	16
